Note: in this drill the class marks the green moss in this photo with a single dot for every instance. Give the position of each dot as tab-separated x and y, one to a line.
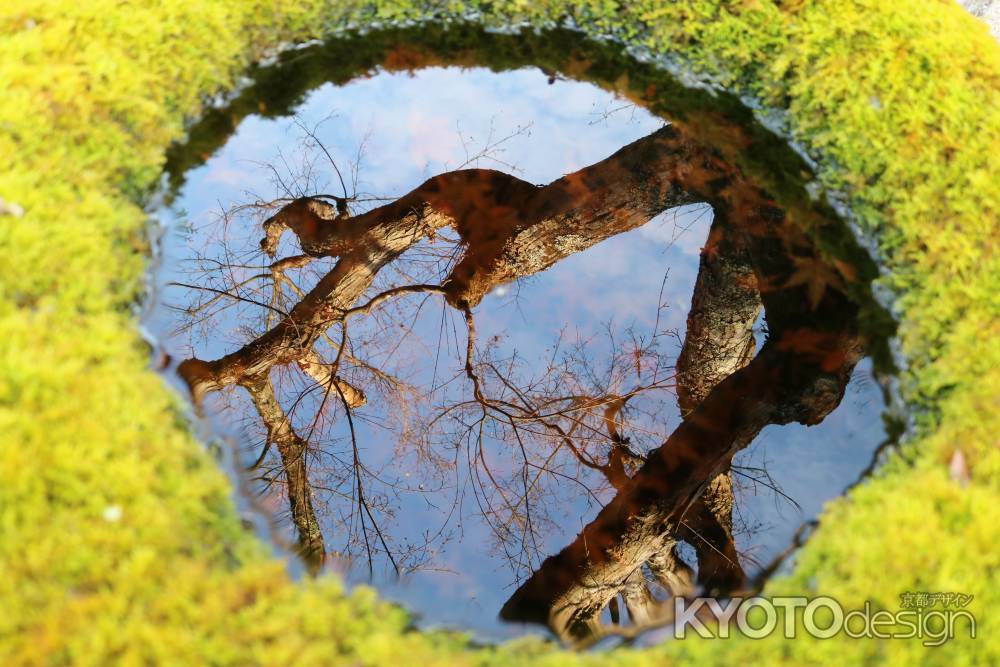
898	101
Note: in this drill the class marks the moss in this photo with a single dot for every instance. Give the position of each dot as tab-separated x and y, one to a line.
899	103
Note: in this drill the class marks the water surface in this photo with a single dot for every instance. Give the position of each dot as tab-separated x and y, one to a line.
461	482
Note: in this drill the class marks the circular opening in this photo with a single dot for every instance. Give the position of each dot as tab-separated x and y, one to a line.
522	331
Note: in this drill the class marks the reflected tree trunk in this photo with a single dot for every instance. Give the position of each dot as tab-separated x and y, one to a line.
719	340
293	451
570	589
799	376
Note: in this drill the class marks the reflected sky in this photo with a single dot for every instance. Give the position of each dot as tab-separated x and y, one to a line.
388	133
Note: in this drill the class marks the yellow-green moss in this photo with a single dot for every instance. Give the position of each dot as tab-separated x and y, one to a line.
898	100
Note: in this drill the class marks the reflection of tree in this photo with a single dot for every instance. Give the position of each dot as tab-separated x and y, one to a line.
464	233
683	490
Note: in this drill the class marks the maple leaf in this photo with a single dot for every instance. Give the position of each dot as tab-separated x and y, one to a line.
816	275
